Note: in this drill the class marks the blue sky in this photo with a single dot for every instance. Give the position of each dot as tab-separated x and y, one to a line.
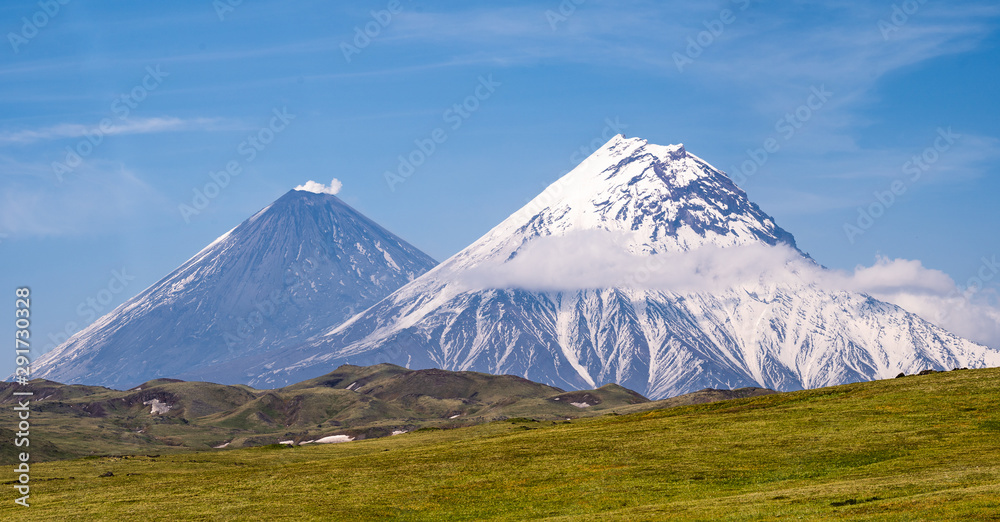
849	92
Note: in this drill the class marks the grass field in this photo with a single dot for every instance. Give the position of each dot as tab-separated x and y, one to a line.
915	448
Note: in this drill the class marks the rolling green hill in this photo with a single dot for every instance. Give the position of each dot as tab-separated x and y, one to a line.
915	448
359	402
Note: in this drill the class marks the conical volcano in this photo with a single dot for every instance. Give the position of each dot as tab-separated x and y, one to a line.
303	263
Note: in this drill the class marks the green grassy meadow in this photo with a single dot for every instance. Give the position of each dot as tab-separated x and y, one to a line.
914	448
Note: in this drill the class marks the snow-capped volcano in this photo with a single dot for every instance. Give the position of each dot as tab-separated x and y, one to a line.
303	263
543	295
661	198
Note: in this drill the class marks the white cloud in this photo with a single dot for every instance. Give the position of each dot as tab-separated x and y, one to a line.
596	259
319	188
131	126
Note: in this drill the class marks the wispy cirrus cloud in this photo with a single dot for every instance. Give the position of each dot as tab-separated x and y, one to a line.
766	43
131	126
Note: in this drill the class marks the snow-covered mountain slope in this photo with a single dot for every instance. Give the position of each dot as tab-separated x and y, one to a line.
303	263
659	198
782	333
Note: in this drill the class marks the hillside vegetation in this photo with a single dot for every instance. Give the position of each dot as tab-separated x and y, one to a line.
913	448
171	416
